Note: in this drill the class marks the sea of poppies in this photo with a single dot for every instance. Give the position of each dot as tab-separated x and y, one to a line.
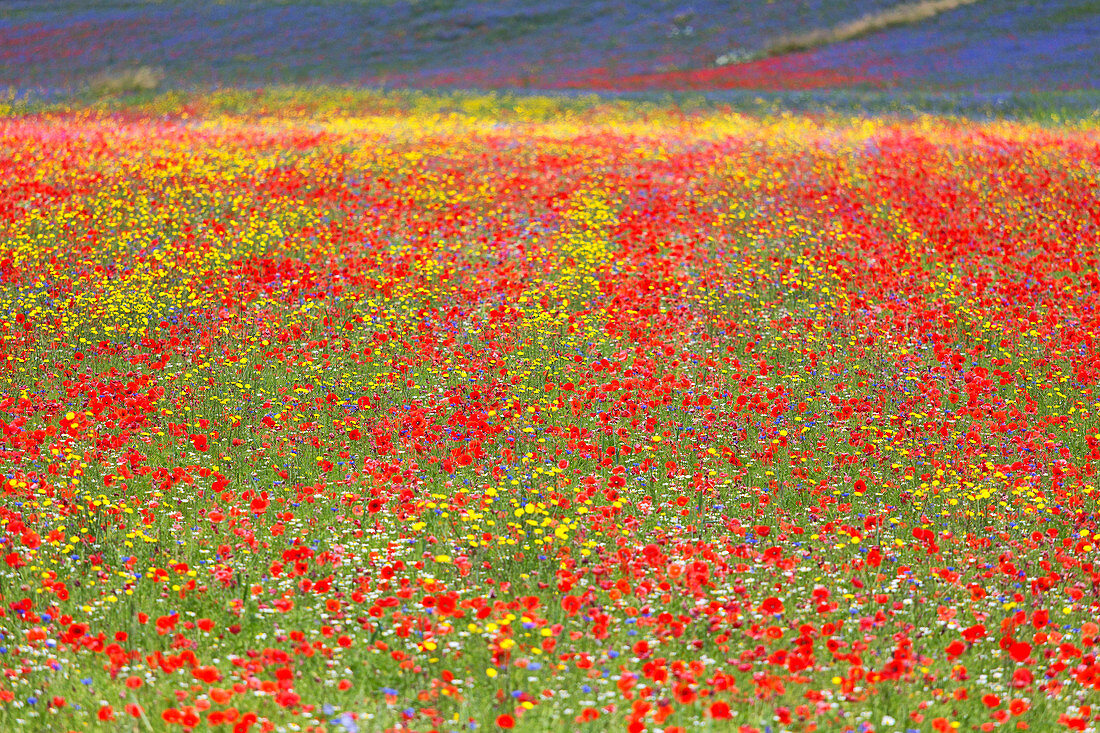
361	412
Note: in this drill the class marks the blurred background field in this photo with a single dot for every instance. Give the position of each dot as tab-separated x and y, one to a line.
110	46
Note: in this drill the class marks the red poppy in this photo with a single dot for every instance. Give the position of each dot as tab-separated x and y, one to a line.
445	605
720	710
1019	650
973	633
209	675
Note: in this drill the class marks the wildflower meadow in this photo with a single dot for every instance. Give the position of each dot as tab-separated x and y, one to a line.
341	411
